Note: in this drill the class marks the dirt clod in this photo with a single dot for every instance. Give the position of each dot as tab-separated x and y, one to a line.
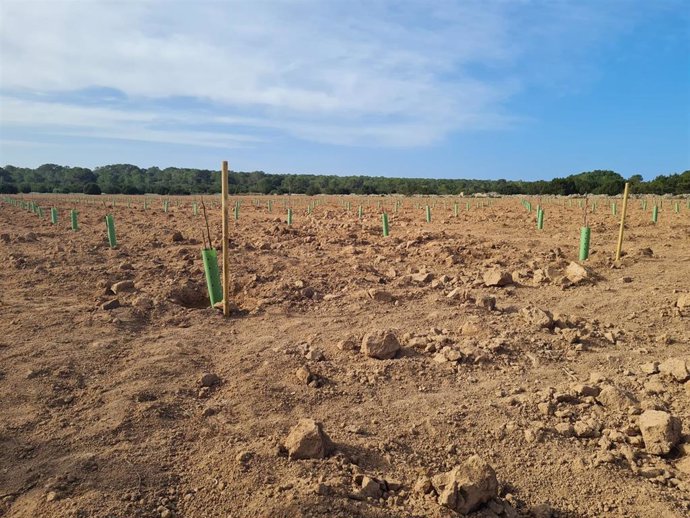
382	345
307	440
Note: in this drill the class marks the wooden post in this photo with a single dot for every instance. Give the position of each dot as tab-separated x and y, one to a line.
619	247
226	225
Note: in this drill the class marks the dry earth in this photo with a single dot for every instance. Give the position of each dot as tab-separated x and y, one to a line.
104	412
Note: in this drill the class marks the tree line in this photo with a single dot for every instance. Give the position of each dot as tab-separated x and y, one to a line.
130	179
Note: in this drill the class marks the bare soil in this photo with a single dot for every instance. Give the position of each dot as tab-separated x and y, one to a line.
103	414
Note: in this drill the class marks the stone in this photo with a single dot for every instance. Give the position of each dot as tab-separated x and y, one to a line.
307	440
676	368
614	398
380	295
586	429
349	344
110	304
496	277
537	317
315	355
122	286
370	488
453	355
440	358
545	408
305	375
459	294
209	379
650	368
423	485
422	278
654	386
576	273
467	486
244	457
683	465
382	345
660	431
565	429
470	329
585	390
683	301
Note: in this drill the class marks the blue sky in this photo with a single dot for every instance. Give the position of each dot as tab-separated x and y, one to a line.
517	89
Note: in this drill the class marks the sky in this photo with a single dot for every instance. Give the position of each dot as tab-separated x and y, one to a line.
515	89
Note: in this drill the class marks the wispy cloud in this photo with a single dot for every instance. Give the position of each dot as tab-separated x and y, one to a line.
380	72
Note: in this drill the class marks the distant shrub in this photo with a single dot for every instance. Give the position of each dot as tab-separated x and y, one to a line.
92	188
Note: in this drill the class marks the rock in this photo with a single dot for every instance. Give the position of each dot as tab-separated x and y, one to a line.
570	335
422	278
586	429
683	465
565	429
487	302
382	345
650	472
660	431
122	286
533	435
496	277
576	273
676	368
110	304
614	398
210	411
440	358
370	488
51	496
209	379
466	487
459	294
470	329
244	457
423	485
452	355
380	295
176	237
654	386
610	337
349	344
305	375
315	355
650	368
307	440
143	303
537	317
683	301
545	408
585	390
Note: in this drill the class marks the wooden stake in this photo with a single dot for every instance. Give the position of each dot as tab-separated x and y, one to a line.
619	247
226	225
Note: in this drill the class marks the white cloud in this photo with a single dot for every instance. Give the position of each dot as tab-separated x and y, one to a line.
351	72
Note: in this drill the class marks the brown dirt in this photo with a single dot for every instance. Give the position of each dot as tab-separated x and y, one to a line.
102	412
